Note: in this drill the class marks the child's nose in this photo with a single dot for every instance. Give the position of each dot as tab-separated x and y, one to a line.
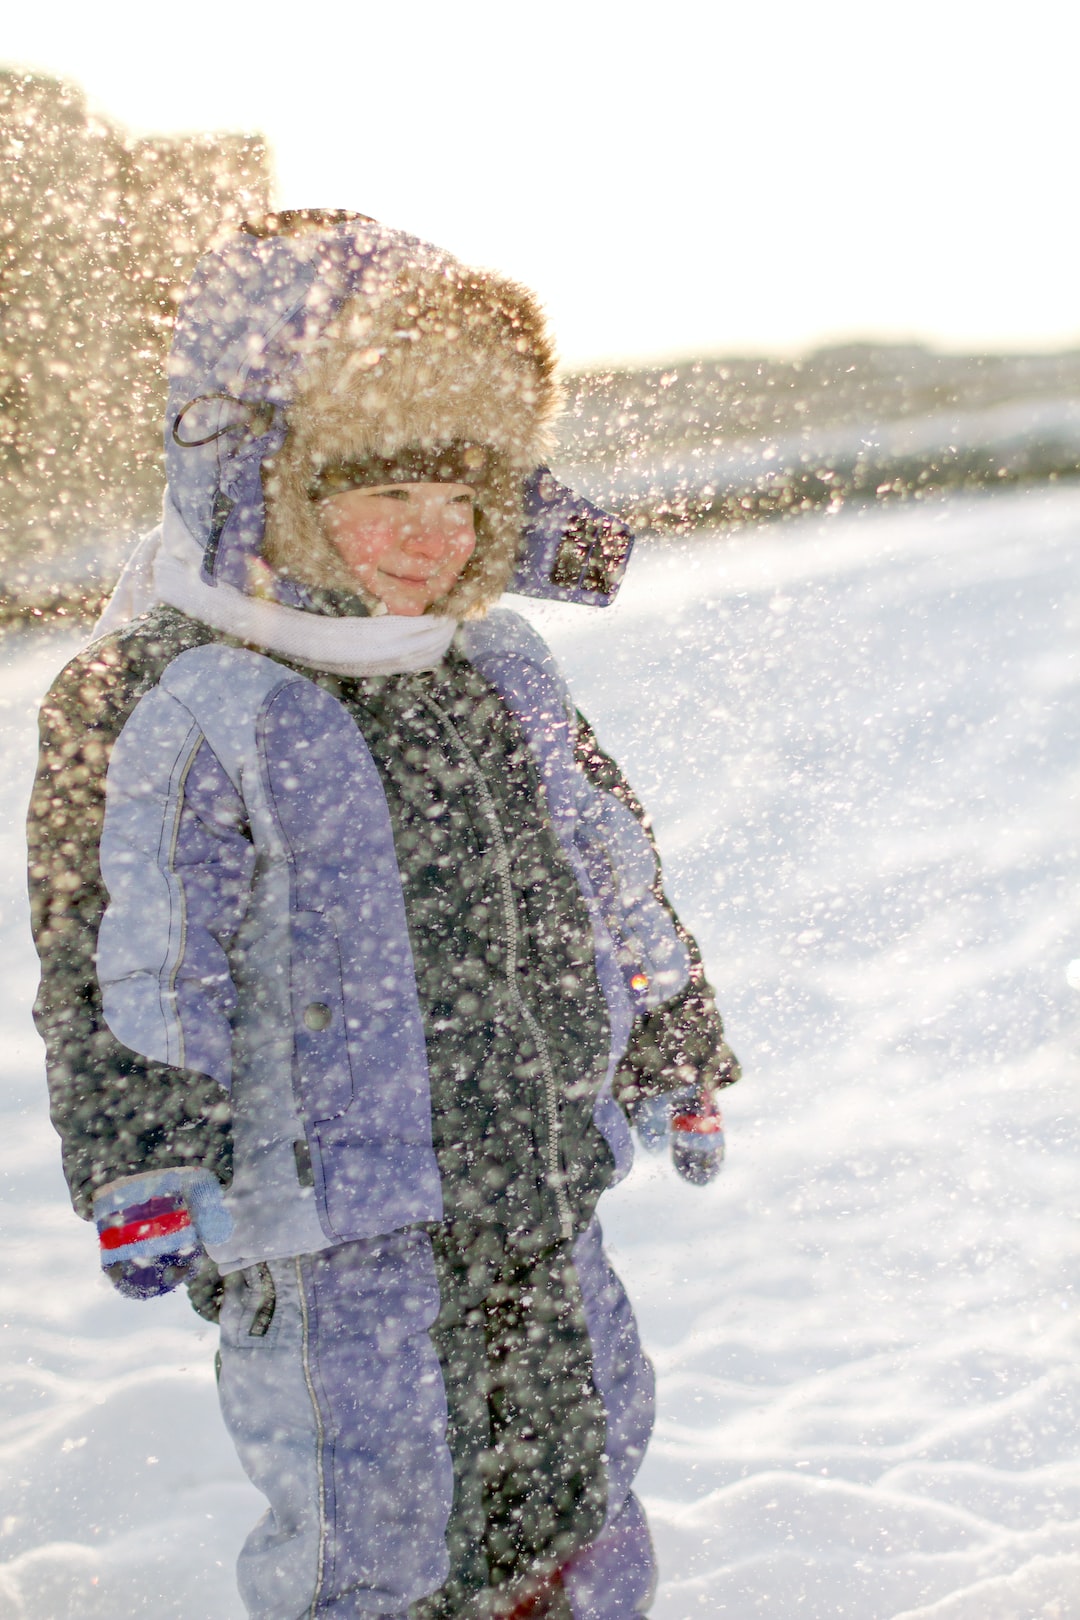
430	535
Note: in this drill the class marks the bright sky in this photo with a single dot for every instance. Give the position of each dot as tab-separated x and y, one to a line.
672	179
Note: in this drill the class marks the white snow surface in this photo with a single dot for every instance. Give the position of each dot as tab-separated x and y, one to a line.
859	737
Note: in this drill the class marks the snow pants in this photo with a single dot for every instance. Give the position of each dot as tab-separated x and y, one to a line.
445	1425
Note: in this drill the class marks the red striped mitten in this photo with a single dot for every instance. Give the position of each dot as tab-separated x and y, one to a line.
697	1134
152	1228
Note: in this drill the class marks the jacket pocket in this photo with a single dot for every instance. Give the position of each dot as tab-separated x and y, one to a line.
370	1185
249	1310
322	1074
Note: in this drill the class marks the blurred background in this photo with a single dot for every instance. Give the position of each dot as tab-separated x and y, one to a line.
794	257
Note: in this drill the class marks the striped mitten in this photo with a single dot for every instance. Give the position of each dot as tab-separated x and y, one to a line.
697	1134
152	1228
690	1120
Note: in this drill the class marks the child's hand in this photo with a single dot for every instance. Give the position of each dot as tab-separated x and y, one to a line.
691	1120
152	1228
697	1135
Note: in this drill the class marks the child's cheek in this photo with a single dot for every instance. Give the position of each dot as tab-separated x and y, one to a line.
457	558
463	546
365	545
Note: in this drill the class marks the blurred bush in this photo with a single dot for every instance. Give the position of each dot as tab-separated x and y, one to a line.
99	231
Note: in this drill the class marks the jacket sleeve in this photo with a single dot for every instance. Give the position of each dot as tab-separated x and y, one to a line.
118	1110
682	1040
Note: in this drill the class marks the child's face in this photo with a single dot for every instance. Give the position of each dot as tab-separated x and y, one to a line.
405	543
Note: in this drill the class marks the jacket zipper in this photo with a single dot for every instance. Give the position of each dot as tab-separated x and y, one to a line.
181	946
502	866
320	1435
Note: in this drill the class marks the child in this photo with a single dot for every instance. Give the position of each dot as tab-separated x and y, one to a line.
353	942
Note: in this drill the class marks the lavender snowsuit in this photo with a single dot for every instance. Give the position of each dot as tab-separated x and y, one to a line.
376	951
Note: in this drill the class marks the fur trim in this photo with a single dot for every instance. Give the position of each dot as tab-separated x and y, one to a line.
441	354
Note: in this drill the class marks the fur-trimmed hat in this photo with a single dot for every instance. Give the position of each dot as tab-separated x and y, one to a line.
442	365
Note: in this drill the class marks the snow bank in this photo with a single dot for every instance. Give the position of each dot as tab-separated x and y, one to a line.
860	740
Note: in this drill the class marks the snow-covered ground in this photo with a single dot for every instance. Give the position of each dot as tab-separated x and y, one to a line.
860	738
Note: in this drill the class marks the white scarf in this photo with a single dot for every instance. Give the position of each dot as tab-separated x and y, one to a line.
166	566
